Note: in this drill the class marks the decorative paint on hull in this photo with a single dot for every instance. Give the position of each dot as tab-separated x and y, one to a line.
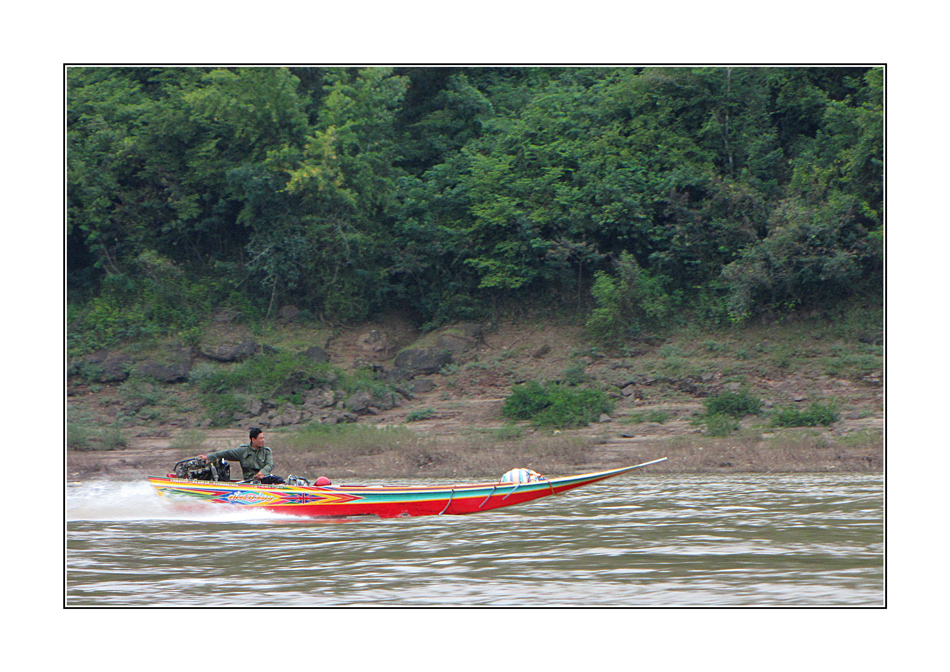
382	501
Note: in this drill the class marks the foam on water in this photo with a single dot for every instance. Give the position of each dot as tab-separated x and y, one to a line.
138	500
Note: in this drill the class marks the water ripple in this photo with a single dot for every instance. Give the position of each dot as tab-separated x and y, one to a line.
644	541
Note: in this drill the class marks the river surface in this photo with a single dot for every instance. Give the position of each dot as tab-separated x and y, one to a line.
638	540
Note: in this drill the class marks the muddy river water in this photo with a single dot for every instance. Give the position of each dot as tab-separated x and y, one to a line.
639	540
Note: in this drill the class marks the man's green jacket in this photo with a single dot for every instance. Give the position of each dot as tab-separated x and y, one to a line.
252	460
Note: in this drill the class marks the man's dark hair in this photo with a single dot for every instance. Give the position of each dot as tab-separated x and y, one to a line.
255	431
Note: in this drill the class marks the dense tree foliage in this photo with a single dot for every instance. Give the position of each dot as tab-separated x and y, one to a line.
717	192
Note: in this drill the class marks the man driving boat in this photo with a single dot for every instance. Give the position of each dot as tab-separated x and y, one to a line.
256	459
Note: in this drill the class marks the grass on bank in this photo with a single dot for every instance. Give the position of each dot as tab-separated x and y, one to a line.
657	416
791	440
83	436
362	439
400	451
351	438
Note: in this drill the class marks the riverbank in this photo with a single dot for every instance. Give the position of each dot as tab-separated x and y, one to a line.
448	423
779	452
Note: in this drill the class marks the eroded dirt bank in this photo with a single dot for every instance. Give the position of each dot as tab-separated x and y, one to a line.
456	429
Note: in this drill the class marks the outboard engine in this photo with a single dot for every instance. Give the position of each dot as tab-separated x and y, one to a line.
200	470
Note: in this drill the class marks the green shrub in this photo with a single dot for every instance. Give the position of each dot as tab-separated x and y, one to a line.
819	249
77	436
222	406
140	392
283	376
556	405
87	371
155	298
424	414
272	374
113	438
657	416
714	346
814	415
105	321
83	437
852	365
677	367
526	401
720	424
736	404
669	351
575	374
357	381
627	303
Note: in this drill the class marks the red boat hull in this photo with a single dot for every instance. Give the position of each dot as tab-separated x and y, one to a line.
382	501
